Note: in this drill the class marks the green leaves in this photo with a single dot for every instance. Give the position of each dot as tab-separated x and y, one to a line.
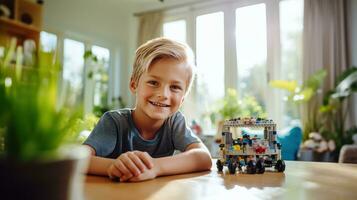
33	123
304	92
230	107
290	86
334	109
347	85
315	80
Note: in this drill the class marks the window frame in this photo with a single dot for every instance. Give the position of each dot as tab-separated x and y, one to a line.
88	94
273	62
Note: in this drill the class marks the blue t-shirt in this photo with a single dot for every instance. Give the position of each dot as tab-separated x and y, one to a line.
116	133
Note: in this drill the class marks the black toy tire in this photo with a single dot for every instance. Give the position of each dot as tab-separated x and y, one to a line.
251	167
232	167
280	166
219	165
260	168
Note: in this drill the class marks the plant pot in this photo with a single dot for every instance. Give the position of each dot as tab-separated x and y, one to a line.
61	178
311	155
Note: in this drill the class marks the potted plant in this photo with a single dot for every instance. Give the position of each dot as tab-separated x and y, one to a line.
302	95
37	160
335	109
324	129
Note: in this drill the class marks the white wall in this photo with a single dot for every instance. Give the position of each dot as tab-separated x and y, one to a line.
104	23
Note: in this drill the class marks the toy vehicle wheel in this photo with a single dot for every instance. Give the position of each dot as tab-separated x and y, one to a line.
280	166
251	167
232	167
219	165
260	167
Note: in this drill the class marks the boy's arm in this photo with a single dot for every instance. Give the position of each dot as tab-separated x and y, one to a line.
196	157
98	165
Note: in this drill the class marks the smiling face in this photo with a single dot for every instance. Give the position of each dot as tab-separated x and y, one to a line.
160	91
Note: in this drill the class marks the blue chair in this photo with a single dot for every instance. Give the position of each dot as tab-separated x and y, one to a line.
290	139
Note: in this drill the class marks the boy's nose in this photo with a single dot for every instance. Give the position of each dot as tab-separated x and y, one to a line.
164	92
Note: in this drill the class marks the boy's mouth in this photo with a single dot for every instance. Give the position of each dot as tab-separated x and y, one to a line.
159	104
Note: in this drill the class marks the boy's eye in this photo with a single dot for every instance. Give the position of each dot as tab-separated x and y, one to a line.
153	83
176	87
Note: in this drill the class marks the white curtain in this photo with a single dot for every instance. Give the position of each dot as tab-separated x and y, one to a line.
150	26
325	41
325	44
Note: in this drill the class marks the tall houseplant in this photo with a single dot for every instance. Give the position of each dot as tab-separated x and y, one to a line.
302	95
35	163
335	109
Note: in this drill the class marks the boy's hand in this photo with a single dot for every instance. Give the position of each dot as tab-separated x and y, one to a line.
130	165
147	174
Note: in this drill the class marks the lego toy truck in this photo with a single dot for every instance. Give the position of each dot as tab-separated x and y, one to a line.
246	153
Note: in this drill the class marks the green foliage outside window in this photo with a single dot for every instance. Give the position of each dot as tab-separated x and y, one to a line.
99	74
230	106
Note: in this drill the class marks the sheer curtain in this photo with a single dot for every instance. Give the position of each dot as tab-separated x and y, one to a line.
325	44
150	26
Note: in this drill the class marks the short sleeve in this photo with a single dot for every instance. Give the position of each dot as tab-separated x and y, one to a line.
103	138
182	135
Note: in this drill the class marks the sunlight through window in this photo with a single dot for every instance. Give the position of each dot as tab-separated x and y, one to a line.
175	30
101	75
291	25
48	41
251	44
73	67
210	57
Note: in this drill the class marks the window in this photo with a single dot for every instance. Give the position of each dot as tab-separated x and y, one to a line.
210	58
73	70
291	26
90	89
251	45
100	76
48	41
258	51
175	30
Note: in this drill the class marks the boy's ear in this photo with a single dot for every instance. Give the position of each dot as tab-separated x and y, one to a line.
132	86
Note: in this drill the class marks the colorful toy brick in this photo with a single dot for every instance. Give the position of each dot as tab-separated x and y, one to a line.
250	155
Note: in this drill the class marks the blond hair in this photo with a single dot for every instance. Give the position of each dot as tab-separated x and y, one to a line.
161	48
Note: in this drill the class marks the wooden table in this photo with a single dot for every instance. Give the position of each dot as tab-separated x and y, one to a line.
301	180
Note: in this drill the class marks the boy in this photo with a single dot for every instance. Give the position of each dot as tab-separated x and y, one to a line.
138	144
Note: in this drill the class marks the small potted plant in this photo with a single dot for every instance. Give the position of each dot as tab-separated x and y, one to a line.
37	160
